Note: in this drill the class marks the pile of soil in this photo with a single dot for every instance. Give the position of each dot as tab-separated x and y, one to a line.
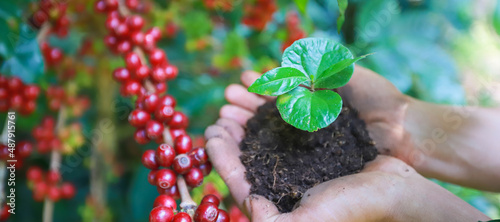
283	162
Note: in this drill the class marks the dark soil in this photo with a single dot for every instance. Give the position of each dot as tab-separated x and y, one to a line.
283	162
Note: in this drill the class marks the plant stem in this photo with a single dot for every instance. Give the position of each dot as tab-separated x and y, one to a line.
55	163
187	202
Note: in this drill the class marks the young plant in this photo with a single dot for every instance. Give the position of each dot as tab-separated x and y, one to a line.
310	70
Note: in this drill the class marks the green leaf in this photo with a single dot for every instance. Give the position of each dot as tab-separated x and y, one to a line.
496	18
308	110
301	5
341	18
27	61
304	54
331	76
278	81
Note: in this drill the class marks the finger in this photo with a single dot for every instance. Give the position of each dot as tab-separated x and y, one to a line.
248	77
236	113
390	165
216	131
236	131
238	95
225	159
261	209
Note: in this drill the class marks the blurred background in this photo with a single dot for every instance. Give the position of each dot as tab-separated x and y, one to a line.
441	51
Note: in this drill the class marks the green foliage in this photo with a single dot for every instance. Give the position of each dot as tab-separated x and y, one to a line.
318	63
26	60
341	18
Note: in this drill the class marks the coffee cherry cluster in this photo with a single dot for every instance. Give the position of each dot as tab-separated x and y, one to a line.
54	12
258	13
49	185
193	164
22	150
164	210
44	134
17	96
4	215
294	31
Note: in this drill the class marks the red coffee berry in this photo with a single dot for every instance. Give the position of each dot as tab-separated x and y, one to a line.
141	137
28	107
149	42
121	74
40	17
158	74
210	198
182	217
154	129
175	133
123	46
24	149
182	164
206	212
43	146
110	41
4	93
137	38
135	22
183	144
4	105
139	118
40	189
165	178
68	190
223	216
121	30
15	84
31	92
161	214
132	61
172	191
198	155
166	201
152	177
179	121
132	4
157	57
130	88
142	72
165	155
161	87
34	174
167	100
171	72
53	177
54	193
100	6
5	214
205	168
16	101
194	177
111	5
155	32
150	102
164	113
149	160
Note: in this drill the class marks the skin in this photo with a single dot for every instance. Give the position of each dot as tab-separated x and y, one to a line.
397	192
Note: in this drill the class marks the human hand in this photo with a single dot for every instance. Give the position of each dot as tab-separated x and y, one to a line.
387	189
377	101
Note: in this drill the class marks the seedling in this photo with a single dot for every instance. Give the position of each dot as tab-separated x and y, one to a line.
310	70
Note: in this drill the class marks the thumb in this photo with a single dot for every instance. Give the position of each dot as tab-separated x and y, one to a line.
260	208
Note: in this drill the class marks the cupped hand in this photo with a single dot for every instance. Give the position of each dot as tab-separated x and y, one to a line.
387	189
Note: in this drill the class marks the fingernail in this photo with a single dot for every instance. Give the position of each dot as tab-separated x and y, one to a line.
248	204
